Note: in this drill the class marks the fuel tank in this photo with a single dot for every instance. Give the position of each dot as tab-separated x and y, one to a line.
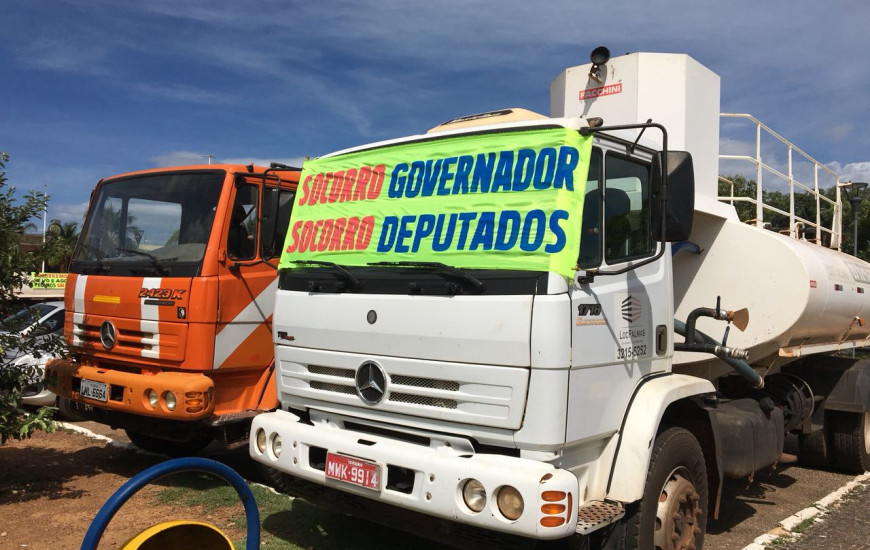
802	298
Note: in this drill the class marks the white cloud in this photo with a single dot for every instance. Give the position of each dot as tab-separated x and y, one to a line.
840	131
183	158
186	94
290	161
69	212
180	158
853	171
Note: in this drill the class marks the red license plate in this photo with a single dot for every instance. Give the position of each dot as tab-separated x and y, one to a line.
353	471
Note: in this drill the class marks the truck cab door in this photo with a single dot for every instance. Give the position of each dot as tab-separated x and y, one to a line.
615	316
246	287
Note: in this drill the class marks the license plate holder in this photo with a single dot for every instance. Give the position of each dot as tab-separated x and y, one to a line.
91	389
353	471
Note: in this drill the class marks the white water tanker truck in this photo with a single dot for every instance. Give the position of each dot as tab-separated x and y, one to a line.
511	327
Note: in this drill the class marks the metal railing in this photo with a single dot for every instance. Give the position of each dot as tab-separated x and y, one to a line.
797	225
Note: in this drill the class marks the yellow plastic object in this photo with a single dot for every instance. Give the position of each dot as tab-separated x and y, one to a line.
180	535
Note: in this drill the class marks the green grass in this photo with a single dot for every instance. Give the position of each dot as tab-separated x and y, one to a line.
804	525
778	542
285	523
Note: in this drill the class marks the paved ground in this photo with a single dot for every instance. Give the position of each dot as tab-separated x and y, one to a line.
846	527
750	509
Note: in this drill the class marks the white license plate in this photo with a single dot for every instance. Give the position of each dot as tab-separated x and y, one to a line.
94	390
353	471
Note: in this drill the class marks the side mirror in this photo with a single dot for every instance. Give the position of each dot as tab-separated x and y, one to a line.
680	195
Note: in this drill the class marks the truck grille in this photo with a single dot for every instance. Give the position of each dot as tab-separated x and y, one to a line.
347	380
486	395
423	400
446	385
164	341
331	371
397	380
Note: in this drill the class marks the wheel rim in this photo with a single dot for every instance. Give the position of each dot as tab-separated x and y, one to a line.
677	514
867	433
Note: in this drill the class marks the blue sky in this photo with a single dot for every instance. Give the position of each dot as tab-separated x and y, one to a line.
99	87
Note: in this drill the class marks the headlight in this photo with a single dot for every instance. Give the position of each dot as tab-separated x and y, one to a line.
261	440
510	502
152	398
474	495
276	445
170	400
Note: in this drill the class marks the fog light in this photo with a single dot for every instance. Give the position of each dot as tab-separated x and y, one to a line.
261	440
474	495
276	445
510	502
170	400
152	399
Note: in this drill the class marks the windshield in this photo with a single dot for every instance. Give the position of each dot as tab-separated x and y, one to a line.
151	224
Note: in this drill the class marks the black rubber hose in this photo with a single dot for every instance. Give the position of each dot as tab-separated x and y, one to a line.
742	367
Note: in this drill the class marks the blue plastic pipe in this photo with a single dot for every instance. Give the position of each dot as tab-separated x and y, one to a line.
123	494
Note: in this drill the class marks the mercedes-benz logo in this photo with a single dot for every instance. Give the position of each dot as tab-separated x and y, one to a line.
371	382
107	334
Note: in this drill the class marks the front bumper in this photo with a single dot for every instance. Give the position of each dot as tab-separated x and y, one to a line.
439	473
129	392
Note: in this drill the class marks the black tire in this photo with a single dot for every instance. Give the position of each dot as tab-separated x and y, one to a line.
850	439
676	473
67	412
276	478
815	451
167	447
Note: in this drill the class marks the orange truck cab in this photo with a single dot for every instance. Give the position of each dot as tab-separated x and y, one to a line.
169	304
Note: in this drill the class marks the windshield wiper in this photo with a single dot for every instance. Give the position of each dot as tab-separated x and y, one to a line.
155	261
355	284
99	256
463	275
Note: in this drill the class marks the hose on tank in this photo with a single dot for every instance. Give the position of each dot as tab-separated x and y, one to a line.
742	367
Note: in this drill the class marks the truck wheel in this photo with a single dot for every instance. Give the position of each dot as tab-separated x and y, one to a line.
167	447
673	511
815	451
67	412
850	437
277	479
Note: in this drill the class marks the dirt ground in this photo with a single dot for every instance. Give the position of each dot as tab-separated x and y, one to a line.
53	485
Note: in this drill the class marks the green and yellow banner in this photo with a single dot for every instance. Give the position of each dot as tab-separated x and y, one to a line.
48	280
489	201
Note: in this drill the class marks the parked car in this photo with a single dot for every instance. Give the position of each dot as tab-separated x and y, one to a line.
43	321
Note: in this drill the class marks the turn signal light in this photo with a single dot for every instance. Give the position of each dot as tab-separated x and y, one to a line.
553	496
552	509
552	521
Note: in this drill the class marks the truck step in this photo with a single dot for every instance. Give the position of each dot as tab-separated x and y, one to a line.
596	514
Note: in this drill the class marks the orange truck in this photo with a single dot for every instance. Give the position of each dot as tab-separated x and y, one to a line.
169	304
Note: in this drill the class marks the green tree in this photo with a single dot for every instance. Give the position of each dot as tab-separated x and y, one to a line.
60	243
15	422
